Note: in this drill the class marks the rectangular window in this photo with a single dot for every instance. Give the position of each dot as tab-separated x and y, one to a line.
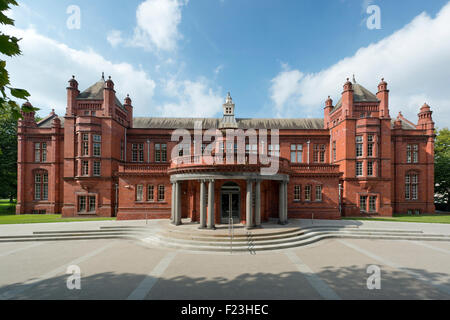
97	168
44	152
296	153
297	193
274	150
318	193
84	168
409	153
370	168
137	152
407	187
37	152
82	204
85	148
322	153
307	193
37	186
92	204
97	149
139	192
150	193
45	186
414	187
359	146
161	193
416	153
359	169
334	150
363	203
319	153
372	204
163	152
370	144
97	138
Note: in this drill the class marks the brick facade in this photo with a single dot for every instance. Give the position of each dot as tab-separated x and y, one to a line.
99	161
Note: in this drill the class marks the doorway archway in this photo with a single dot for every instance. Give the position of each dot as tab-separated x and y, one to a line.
230	203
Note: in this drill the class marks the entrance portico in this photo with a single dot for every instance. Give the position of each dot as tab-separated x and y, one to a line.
220	197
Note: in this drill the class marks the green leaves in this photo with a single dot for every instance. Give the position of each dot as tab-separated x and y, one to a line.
9	46
442	166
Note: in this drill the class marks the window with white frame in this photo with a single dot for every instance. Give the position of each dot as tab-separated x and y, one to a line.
370	168
372	204
359	169
296	153
84	168
297	193
139	192
359	146
274	150
318	193
97	168
150	193
411	186
161	193
363	203
308	193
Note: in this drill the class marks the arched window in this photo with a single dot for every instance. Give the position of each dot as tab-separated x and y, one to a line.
412	186
40	185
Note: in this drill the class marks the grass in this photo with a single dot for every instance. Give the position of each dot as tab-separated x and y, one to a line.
423	218
8	216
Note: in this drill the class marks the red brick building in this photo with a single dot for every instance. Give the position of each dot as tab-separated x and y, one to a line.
98	160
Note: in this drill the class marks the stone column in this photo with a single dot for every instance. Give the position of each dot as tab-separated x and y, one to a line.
211	216
178	204
285	206
202	205
258	204
281	204
172	212
249	207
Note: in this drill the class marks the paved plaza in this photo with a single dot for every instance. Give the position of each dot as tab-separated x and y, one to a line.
132	269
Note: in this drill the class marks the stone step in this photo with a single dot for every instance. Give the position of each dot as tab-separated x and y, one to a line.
267	241
64	238
270	236
310	238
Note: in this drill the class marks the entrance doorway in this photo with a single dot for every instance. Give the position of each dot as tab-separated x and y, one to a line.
230	195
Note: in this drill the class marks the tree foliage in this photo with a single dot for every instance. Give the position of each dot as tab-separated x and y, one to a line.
8	155
9	46
442	167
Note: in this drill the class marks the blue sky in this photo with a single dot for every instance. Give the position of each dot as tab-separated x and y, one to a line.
278	58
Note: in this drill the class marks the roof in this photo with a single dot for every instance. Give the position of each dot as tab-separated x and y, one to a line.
406	125
95	92
360	94
47	122
213	123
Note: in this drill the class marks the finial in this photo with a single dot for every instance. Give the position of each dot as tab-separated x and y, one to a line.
103	75
354	80
73	77
109	77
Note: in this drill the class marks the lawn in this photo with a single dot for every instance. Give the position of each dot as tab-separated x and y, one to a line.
8	216
423	218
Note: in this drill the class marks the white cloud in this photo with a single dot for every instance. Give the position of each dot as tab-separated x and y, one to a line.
114	38
414	60
46	65
191	99
157	24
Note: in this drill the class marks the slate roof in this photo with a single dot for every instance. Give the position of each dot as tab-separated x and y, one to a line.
95	92
360	94
214	123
